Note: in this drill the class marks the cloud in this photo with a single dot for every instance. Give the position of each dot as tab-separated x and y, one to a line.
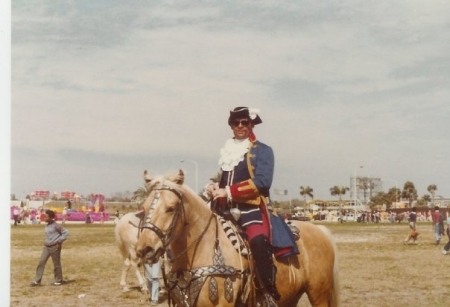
112	88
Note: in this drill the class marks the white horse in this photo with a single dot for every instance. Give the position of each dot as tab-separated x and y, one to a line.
127	233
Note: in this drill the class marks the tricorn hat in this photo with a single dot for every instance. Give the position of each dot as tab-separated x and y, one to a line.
244	112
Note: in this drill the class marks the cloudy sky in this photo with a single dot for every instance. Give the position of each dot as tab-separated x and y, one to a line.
102	90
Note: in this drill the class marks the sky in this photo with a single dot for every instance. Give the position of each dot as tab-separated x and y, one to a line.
103	90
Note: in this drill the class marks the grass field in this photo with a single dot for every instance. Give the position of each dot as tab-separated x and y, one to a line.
376	268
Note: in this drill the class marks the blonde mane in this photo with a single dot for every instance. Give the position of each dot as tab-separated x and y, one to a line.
174	180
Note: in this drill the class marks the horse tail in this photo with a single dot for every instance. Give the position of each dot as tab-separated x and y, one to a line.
121	243
333	295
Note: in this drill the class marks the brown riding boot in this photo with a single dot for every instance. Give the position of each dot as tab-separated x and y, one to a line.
265	268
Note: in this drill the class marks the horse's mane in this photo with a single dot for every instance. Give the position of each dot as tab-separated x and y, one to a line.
170	179
174	180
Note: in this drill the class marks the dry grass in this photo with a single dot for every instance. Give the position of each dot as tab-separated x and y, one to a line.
376	268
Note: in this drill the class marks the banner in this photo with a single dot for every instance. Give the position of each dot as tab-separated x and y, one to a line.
42	194
67	195
280	192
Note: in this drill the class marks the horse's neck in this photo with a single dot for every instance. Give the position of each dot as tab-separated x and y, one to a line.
195	244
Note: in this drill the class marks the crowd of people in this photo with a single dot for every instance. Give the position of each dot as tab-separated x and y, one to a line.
26	216
32	216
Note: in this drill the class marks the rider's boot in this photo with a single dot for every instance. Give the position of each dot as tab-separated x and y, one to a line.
265	268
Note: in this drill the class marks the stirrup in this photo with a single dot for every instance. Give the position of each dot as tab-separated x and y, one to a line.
295	231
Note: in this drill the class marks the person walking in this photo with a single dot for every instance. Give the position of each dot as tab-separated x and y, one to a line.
88	217
446	249
16	213
152	275
64	215
436	221
246	174
55	235
413	234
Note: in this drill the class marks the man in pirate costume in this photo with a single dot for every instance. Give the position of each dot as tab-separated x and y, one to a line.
247	168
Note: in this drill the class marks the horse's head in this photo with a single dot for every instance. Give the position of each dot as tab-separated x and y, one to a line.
164	215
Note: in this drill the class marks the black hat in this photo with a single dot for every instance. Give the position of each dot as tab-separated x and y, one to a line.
50	213
244	112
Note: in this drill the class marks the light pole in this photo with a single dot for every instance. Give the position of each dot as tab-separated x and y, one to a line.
354	189
196	172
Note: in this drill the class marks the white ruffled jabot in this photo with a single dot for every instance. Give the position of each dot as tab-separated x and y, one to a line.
232	153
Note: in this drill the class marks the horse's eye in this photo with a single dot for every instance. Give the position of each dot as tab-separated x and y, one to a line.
170	210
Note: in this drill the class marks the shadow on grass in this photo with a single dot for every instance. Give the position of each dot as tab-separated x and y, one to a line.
69	281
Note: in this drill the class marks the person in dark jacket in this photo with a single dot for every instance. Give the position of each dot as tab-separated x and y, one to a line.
55	235
246	174
436	224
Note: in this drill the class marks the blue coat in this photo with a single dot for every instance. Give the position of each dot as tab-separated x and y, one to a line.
250	182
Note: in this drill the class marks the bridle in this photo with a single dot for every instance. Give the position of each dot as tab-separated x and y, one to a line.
186	284
163	235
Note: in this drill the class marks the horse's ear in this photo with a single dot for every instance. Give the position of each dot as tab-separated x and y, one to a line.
179	179
147	178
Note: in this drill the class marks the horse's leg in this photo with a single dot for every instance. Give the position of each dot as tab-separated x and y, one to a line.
123	278
142	283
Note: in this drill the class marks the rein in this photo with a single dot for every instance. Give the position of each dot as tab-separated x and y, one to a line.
196	240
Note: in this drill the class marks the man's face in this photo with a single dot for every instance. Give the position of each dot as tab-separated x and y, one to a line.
242	128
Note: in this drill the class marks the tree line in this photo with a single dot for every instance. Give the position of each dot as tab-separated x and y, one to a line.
408	194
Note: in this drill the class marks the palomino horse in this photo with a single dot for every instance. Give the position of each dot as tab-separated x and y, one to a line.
207	270
127	232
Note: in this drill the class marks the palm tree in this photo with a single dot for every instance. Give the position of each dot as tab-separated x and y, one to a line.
339	191
409	192
140	195
394	194
423	201
306	191
432	188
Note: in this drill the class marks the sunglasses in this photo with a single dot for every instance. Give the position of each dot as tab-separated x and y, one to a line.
243	122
